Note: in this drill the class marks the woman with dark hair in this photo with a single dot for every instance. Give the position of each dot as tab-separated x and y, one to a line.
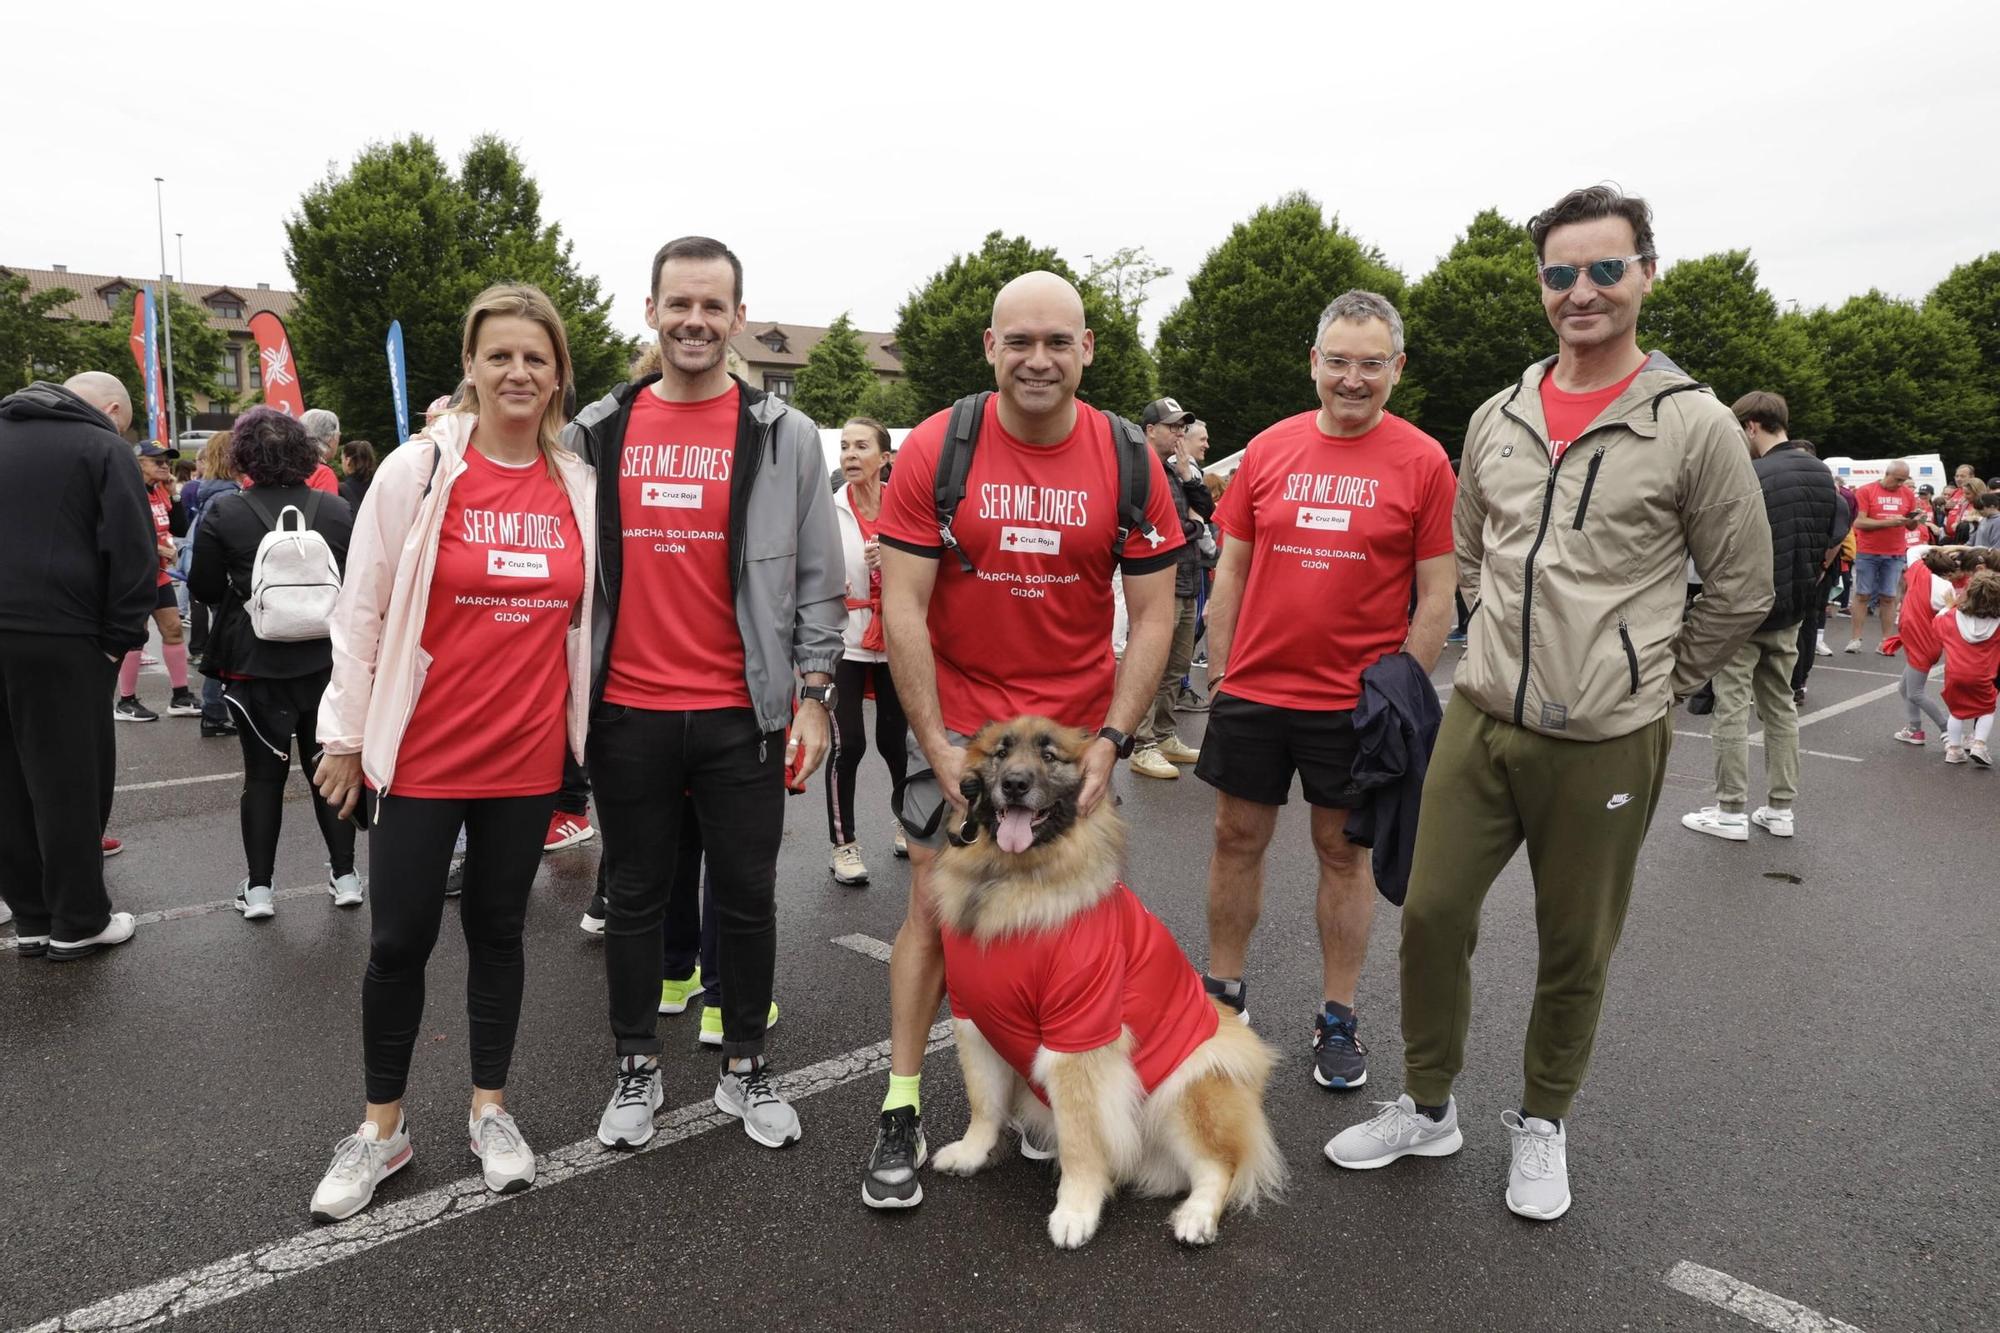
864	660
461	647
272	688
357	466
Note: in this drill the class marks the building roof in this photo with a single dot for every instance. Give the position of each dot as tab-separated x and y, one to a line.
798	340
92	307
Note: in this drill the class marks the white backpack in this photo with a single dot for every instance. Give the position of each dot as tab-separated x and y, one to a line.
294	579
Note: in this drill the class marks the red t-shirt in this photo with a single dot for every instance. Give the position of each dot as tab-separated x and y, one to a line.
1029	631
676	645
1077	987
162	502
1569	414
490	717
1335	528
1969	667
1876	501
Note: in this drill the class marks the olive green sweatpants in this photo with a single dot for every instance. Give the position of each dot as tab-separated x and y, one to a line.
1582	808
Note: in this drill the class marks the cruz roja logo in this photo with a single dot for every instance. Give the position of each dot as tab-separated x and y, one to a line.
1323	520
669	495
275	360
517	564
1032	541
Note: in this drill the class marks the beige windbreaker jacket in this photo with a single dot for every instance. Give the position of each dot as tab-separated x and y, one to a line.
378	663
1577	569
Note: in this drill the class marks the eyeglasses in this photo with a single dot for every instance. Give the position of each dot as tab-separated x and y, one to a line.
1338	366
1603	273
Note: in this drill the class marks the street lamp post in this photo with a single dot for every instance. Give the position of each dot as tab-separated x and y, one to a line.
166	316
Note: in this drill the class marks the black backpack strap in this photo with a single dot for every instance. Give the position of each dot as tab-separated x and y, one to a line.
264	511
1135	484
954	463
437	452
312	505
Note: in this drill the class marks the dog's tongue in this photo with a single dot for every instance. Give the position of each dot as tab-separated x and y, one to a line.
1016	831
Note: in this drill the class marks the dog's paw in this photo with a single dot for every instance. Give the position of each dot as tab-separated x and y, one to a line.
963	1158
1072	1227
1194	1224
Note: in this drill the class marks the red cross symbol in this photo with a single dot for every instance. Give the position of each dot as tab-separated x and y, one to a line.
499	561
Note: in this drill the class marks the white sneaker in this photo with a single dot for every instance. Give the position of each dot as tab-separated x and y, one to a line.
902	845
747	1094
1778	823
505	1158
363	1160
254	901
847	865
346	889
1538	1180
1853	646
627	1121
1149	762
1823	648
1979	754
1710	820
1399	1131
122	925
1954	753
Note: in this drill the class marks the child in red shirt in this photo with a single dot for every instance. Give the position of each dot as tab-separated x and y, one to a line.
1968	638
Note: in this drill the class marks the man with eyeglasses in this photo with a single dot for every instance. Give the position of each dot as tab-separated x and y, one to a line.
1332	517
1159	746
1583	489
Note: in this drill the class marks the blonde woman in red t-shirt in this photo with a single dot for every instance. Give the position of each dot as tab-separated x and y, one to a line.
461	661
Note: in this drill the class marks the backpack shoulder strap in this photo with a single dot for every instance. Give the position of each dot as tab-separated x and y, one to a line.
1135	483
264	511
954	463
312	505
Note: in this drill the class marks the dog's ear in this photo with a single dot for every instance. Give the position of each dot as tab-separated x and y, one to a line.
1071	743
981	745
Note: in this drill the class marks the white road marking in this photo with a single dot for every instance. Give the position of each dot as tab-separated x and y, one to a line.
1856	671
179	782
866	945
1759	740
204	909
1752	1303
1848	705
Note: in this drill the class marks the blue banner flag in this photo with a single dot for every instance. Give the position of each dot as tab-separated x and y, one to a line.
146	351
399	378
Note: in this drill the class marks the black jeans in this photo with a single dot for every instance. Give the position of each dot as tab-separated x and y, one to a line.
689	932
850	740
648	767
409	850
57	765
573	797
1812	627
269	714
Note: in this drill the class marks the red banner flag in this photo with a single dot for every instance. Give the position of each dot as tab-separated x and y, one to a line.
149	370
281	376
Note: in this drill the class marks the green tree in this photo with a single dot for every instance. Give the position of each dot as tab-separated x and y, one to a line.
197	355
32	344
399	237
1473	324
835	377
1901	379
891	402
1235	350
1715	321
940	329
1972	292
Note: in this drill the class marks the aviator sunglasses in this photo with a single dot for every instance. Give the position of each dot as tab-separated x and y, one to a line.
1603	273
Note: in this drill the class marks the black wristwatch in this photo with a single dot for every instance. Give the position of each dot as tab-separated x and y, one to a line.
1118	739
824	695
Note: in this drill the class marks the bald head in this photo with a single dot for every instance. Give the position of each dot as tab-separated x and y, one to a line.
1898	472
1038	346
104	392
1041	297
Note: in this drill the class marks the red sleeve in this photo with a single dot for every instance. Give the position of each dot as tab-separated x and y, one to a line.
908	519
1141	556
1435	498
1084	1002
323	479
1941	625
1237	514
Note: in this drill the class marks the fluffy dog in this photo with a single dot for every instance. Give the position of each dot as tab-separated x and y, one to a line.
1078	1016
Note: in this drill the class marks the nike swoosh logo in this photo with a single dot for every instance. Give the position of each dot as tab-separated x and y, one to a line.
1623	798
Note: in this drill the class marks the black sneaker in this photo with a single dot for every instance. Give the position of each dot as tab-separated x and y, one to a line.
594	916
891	1178
211	730
454	878
1187	701
1239	1000
183	704
129	709
1340	1061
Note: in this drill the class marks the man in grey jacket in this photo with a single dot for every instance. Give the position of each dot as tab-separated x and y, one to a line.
719	580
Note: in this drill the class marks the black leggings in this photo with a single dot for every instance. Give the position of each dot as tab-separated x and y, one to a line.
271	715
850	743
409	851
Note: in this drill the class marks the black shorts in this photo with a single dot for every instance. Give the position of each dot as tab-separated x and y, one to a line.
1251	750
164	599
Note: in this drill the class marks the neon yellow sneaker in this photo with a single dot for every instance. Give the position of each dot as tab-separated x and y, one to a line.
674	995
711	1023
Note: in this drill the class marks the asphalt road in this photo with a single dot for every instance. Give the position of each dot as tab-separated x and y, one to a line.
1794	1065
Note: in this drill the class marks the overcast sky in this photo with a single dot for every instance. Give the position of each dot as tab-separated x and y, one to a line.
848	151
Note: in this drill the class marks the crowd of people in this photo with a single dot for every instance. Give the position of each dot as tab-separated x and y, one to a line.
660	601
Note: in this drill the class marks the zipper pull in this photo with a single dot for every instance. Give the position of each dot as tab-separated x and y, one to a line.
763	749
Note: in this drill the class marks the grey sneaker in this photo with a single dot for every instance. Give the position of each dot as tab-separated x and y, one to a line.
1538	1180
1399	1131
505	1159
1340	1061
362	1161
346	889
767	1118
627	1121
254	901
890	1180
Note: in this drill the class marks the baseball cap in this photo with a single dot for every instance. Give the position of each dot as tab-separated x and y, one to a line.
148	449
1165	410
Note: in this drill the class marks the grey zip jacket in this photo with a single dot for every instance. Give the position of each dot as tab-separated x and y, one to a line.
1576	568
785	566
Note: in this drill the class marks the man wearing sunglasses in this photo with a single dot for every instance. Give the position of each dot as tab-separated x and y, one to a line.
1583	489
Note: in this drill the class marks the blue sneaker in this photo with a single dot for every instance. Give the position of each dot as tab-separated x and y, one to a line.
1340	1061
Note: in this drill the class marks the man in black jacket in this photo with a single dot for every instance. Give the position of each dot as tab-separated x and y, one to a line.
1805	512
76	542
